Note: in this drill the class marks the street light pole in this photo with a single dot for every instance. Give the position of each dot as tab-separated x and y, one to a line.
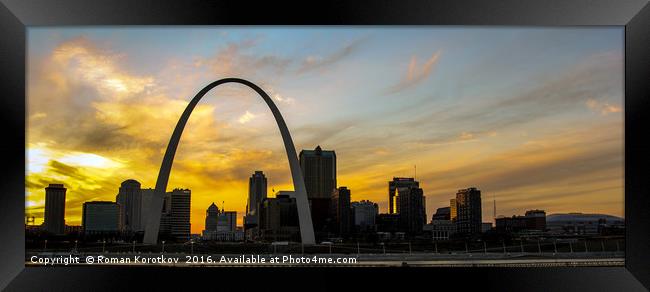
163	246
103	246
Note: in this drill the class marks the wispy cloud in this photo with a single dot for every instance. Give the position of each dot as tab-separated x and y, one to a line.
416	73
315	62
604	108
246	117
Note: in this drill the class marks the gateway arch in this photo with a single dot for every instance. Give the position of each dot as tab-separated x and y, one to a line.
300	194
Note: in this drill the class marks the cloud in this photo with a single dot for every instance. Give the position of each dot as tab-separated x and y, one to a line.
246	117
315	62
603	108
234	60
97	68
415	73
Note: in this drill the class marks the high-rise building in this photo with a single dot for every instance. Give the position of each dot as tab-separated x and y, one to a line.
340	211
212	217
55	209
279	218
319	172
165	217
364	215
145	202
469	217
393	189
532	220
227	221
179	214
100	217
129	198
443	213
453	210
257	185
221	225
411	210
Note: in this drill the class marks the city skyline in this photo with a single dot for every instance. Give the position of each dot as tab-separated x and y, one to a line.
543	130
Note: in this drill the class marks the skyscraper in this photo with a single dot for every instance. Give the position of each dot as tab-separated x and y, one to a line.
257	185
179	214
364	215
279	218
411	210
212	218
393	188
319	172
227	222
453	210
145	202
340	210
55	209
129	198
100	217
220	224
469	217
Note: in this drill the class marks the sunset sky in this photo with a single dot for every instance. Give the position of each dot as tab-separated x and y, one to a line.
531	116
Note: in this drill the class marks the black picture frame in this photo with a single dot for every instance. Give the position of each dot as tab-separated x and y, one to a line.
16	15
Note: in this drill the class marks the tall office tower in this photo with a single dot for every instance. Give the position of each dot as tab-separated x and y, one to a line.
340	210
279	218
319	172
411	211
468	204
364	214
424	210
212	217
443	213
393	189
165	217
256	194
179	214
453	210
129	198
100	217
227	221
55	209
145	201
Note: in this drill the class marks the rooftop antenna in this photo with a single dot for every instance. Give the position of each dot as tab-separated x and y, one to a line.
415	170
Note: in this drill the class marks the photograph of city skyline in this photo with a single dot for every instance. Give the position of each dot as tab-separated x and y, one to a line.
427	145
